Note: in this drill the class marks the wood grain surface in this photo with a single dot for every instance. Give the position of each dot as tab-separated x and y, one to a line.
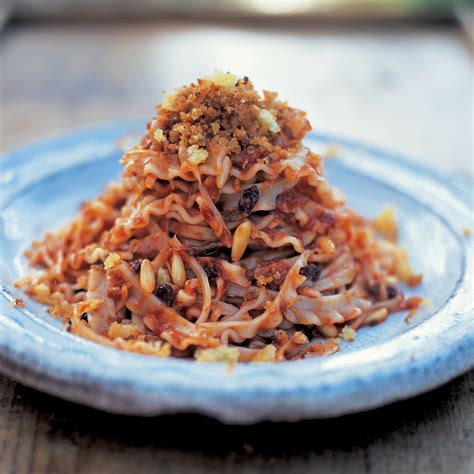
409	90
430	433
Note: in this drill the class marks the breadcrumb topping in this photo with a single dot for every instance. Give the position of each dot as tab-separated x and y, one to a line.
197	155
112	261
386	224
19	303
224	113
223	79
221	353
42	292
122	330
267	119
267	354
348	334
159	136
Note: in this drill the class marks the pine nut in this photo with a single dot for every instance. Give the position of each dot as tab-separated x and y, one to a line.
178	272
224	176
147	276
326	245
328	330
240	240
376	316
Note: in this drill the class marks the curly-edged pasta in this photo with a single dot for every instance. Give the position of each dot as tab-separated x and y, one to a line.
223	241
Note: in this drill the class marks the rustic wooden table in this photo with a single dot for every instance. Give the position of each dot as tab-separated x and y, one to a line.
407	89
431	433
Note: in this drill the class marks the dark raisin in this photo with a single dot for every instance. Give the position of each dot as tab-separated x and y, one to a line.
166	294
391	292
312	271
374	290
68	325
205	249
233	215
248	199
211	271
328	218
135	265
85	317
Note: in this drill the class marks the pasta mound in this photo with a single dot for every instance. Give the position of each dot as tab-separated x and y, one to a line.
223	241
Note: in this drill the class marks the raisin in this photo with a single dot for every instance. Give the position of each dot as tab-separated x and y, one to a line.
312	271
205	249
166	294
211	271
135	265
391	292
374	290
248	199
85	317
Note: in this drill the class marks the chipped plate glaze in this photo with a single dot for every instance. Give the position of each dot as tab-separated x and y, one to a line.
42	186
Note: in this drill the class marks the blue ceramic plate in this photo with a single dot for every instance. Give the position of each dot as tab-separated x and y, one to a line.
42	187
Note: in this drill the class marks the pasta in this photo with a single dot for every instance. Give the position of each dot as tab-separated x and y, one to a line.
223	241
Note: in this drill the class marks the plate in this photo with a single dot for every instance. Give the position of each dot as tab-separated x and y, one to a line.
42	186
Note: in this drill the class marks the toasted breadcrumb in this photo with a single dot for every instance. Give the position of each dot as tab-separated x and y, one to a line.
224	112
159	136
269	121
156	348
112	261
42	293
169	101
348	334
267	354
122	330
19	303
221	353
404	270
332	151
223	79
89	305
197	155
386	225
413	304
414	280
